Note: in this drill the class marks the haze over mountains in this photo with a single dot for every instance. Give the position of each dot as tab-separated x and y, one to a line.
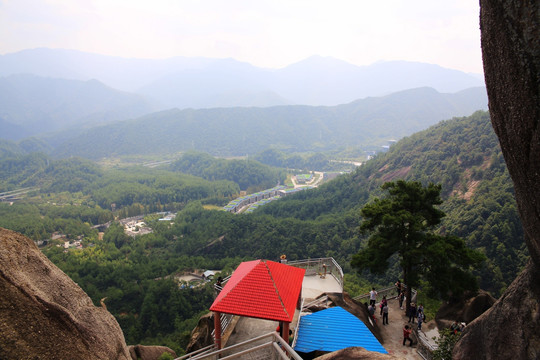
66	93
31	105
204	82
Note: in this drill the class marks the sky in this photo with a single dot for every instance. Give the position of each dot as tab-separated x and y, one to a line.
265	33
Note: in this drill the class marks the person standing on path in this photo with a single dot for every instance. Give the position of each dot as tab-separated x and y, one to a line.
371	310
406	335
372	297
401	298
420	318
383	302
385	314
412	312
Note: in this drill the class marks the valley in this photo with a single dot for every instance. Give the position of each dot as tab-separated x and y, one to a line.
75	194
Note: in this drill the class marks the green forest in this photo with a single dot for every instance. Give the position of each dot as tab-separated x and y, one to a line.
249	175
136	274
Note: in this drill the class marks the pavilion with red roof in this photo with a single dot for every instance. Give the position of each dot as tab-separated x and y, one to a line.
261	289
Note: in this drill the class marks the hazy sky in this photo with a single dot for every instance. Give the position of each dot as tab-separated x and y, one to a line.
266	33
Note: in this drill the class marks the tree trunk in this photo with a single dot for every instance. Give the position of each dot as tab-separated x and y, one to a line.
408	294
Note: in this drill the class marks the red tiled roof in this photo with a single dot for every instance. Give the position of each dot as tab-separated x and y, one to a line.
261	289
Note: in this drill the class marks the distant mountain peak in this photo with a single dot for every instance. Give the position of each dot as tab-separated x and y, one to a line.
321	61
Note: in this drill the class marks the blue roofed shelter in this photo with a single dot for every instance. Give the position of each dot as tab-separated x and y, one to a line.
334	329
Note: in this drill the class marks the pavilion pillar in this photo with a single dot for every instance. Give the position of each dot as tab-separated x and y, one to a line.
217	328
285	331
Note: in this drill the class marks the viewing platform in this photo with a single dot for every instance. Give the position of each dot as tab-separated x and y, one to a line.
262	300
315	283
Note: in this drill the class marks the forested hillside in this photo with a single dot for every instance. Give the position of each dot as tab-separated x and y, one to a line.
461	154
365	124
249	175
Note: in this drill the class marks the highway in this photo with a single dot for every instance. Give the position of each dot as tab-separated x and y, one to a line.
16	194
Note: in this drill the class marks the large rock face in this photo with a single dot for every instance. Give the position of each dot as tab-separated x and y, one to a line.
201	336
355	353
143	352
511	54
464	310
44	314
509	329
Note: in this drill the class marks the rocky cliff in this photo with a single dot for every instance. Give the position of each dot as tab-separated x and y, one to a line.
44	314
511	54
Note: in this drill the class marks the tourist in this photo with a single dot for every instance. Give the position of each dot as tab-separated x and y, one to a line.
412	312
219	285
420	318
383	303
372	297
398	287
406	335
455	328
371	310
401	298
385	314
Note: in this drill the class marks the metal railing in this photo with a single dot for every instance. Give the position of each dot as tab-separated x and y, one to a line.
297	325
225	319
424	348
385	292
269	346
200	352
320	266
380	293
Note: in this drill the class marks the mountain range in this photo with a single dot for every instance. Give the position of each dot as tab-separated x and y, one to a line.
31	105
186	82
74	101
366	124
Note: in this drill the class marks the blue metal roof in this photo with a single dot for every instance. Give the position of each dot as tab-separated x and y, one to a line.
334	329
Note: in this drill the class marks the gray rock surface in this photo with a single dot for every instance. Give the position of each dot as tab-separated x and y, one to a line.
357	353
509	329
201	336
510	31
143	352
465	310
44	314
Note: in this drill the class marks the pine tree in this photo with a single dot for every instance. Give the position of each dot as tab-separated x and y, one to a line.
403	223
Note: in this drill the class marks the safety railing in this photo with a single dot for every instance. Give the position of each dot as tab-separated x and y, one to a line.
389	292
225	319
198	353
296	325
380	293
269	346
424	348
322	299
320	266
